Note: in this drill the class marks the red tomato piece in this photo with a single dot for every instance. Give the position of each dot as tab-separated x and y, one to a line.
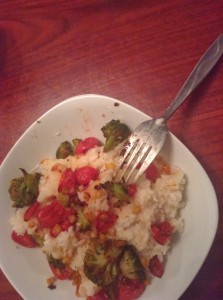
130	289
156	267
67	184
87	144
68	219
25	240
101	295
104	221
85	174
51	214
152	172
31	211
61	273
161	232
132	189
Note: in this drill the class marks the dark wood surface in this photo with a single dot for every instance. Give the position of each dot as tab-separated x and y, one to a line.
137	51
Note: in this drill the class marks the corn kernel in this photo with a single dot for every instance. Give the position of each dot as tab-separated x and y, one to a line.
90	216
102	236
95	194
147	282
110	166
51	281
56	230
66	260
136	209
31	224
144	262
166	169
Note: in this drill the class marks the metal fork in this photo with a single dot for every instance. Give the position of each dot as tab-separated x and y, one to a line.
148	138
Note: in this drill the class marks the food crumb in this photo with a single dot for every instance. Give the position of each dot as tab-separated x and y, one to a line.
51	283
116	104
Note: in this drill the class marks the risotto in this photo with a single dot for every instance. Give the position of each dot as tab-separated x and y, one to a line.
104	237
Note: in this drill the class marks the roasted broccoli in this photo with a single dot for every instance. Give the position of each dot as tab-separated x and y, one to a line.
101	262
75	143
118	190
57	263
83	223
64	199
24	190
130	264
115	132
64	150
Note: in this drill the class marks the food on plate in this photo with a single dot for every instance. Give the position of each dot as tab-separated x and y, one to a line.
115	132
24	190
108	238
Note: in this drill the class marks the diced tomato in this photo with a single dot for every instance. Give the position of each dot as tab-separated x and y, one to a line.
69	219
152	172
101	295
67	184
86	145
51	214
61	273
156	267
104	221
132	189
85	174
130	289
25	240
161	232
31	211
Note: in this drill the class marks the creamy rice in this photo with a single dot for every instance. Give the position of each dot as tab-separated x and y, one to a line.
153	202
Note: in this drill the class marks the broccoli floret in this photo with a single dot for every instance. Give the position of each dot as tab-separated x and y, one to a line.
83	223
64	199
64	150
24	190
118	190
75	143
57	263
115	132
131	266
101	262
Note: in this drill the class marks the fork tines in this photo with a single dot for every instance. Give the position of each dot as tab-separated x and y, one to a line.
139	151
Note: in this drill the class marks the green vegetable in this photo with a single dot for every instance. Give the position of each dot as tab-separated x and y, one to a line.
131	266
75	143
64	150
57	263
64	199
118	190
24	190
115	132
83	223
101	262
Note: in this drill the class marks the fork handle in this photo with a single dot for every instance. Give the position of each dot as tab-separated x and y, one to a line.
200	71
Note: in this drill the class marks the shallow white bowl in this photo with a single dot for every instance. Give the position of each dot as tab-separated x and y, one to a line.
83	116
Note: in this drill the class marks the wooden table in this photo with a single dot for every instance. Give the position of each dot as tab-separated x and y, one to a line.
137	51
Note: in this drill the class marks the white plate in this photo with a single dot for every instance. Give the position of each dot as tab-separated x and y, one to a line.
83	116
